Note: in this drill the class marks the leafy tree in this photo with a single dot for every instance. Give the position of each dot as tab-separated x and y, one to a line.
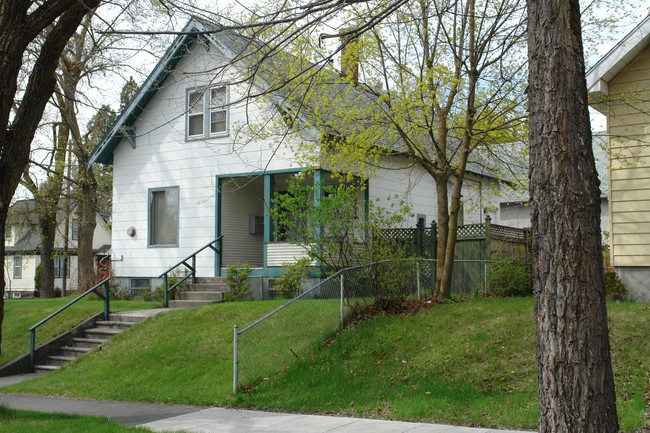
575	381
48	25
330	223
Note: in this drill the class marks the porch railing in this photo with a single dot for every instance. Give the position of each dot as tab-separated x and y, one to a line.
214	245
32	331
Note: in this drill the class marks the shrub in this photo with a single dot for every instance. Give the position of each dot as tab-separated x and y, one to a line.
615	289
37	279
116	292
143	294
288	285
237	279
57	292
507	277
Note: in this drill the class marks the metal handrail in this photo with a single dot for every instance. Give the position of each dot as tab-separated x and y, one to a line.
32	329
192	268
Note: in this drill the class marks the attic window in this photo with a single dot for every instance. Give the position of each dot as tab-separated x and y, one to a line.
207	112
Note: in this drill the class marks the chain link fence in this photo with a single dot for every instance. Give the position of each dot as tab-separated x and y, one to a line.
291	331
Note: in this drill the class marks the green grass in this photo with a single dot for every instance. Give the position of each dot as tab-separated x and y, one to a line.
21	314
469	363
23	421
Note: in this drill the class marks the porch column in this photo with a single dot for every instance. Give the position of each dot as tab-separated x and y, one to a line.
217	227
269	181
319	179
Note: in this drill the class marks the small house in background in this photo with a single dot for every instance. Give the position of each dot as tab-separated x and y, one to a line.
23	249
186	171
619	87
515	211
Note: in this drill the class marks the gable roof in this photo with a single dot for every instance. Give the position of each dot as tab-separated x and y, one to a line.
269	77
624	53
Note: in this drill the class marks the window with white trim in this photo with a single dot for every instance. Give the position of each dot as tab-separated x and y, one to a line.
207	112
18	267
74	229
163	216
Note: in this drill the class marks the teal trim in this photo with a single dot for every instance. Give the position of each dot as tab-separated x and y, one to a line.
269	181
103	152
264	172
217	227
319	182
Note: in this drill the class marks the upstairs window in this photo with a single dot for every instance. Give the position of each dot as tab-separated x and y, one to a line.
207	112
74	229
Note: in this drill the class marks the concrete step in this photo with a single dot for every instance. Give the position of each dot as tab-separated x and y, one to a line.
127	317
74	351
46	367
101	333
59	360
113	324
199	296
204	287
188	304
88	342
211	280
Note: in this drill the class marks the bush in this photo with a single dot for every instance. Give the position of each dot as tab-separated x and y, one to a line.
116	292
288	285
507	277
57	292
237	279
615	289
37	279
143	294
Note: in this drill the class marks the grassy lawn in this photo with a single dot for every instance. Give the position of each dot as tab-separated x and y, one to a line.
469	363
23	421
20	314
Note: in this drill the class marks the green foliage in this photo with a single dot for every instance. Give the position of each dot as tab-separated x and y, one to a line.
143	294
288	285
508	277
334	229
237	279
615	289
116	292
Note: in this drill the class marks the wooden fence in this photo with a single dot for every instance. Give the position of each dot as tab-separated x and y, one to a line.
477	245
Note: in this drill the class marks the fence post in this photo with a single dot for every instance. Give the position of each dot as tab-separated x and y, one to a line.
487	252
417	275
32	348
235	361
165	294
342	295
107	300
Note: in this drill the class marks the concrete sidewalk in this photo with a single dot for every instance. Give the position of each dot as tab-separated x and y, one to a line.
177	418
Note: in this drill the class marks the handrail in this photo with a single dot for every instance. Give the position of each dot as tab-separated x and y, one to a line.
192	268
32	329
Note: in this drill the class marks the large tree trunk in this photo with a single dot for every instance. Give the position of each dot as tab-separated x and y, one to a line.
576	386
87	211
47	227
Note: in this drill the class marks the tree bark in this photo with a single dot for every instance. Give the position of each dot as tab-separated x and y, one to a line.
47	227
20	23
575	382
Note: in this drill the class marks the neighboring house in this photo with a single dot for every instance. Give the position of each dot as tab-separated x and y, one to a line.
619	87
23	248
184	171
515	211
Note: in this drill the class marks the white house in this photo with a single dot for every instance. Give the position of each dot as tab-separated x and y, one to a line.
619	87
23	248
184	173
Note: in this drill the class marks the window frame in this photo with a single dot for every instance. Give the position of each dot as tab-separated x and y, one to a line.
74	229
206	114
17	275
150	220
58	267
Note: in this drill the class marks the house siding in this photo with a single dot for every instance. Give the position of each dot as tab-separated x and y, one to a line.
629	126
163	158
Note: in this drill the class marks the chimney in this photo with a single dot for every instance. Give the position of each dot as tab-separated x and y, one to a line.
350	58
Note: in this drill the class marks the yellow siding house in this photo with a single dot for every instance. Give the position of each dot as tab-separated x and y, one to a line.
619	87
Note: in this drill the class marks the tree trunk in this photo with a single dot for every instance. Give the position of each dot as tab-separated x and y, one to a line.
87	210
575	382
47	227
442	194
